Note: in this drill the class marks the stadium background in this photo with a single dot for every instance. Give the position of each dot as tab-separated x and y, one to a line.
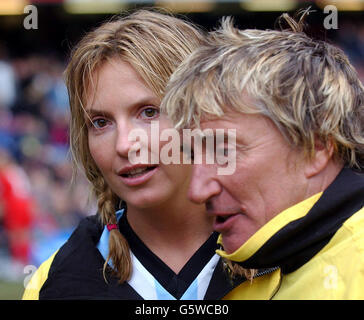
35	169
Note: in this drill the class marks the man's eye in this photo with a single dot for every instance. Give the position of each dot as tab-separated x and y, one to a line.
191	155
148	113
188	152
222	152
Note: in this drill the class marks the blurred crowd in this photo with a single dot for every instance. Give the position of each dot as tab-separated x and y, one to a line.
39	206
350	38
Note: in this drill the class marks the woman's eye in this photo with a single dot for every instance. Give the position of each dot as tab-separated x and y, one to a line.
149	113
99	123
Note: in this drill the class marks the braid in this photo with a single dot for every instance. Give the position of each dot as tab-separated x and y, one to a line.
119	252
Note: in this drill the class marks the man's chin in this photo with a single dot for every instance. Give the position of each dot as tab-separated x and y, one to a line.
231	245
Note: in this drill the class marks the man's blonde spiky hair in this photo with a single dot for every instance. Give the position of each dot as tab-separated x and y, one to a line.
308	88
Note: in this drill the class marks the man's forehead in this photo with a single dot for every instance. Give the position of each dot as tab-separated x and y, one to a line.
228	119
210	129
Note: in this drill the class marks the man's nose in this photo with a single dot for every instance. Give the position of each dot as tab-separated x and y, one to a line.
203	185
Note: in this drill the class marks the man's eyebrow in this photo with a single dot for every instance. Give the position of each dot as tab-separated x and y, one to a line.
227	133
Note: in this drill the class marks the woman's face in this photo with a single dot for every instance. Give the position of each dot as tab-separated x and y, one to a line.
121	102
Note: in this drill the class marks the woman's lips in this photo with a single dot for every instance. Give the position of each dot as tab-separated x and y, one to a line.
137	175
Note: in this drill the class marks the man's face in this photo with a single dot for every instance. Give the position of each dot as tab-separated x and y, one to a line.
268	178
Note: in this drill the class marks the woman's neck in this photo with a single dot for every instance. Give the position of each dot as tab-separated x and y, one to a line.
174	232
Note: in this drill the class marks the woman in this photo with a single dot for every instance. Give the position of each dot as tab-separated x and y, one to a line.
158	245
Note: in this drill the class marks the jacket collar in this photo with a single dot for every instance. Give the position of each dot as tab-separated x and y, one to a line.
295	235
93	235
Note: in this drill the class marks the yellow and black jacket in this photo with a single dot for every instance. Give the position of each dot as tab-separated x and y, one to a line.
314	249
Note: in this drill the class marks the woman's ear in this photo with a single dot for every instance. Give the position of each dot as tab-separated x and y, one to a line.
322	155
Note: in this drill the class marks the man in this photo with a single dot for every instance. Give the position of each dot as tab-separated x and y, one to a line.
293	209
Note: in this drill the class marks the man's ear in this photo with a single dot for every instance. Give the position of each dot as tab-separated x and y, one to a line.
319	161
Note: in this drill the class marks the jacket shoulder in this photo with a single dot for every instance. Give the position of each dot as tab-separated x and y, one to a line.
77	259
37	280
337	271
86	235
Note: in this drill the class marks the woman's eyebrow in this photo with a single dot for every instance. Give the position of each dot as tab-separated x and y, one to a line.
94	111
145	100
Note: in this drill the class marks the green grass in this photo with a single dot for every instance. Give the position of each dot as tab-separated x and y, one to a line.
11	290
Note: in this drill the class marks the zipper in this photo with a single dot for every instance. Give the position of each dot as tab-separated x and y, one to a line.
265	271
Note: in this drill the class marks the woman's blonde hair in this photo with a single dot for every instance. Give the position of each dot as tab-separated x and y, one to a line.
307	87
154	43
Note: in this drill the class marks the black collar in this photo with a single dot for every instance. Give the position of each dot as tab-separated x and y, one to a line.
175	284
296	243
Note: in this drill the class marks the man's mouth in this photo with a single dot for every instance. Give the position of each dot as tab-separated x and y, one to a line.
223	222
222	219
